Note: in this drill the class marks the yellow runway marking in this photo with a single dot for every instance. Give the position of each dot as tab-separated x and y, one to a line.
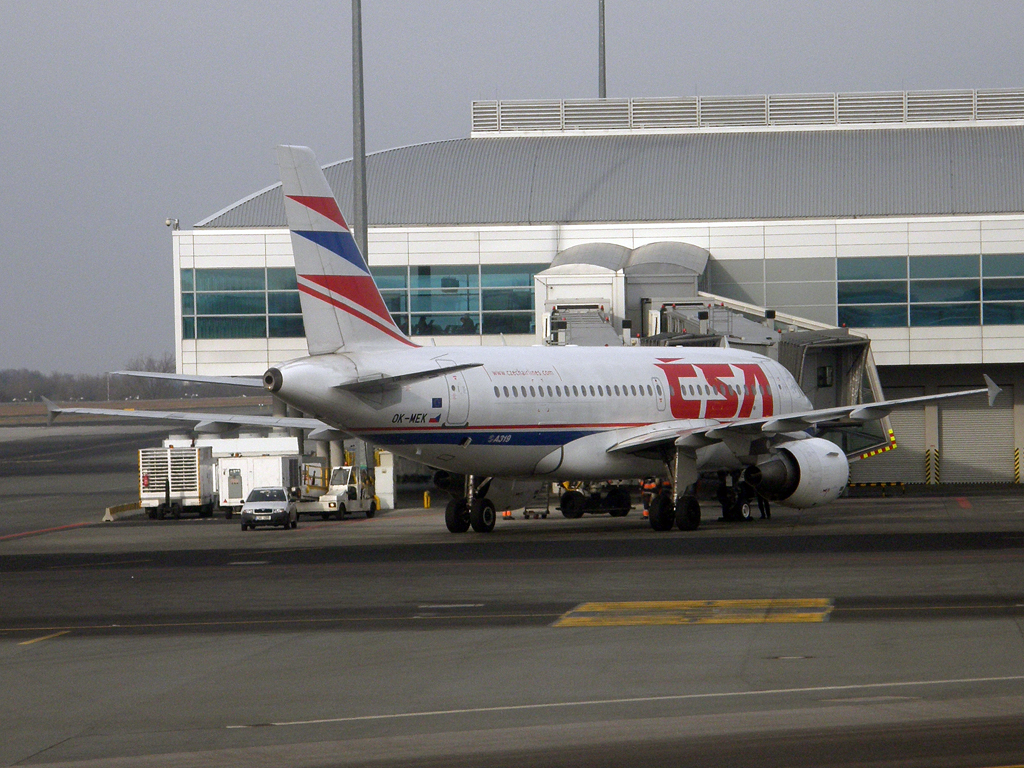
46	637
675	612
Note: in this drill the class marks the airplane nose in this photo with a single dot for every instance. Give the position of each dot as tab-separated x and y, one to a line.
272	380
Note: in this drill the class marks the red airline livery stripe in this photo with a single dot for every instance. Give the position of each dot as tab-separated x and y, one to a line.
393	332
325	206
358	290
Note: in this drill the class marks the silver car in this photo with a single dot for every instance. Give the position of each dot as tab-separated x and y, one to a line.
269	506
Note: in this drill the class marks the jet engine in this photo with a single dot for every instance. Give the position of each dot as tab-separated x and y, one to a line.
801	473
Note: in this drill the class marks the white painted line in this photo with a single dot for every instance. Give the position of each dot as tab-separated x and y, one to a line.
451	605
644	700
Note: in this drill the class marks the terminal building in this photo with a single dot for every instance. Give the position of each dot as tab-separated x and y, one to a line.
890	218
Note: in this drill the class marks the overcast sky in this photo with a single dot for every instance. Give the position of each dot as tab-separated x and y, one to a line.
115	116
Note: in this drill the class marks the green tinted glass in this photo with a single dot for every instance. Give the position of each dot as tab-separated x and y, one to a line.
448	278
231	303
508	322
285	327
390	278
509	275
872	268
1010	313
881	316
284	303
1004	289
497	299
281	279
1003	265
230	280
872	292
944	266
231	327
188	282
934	291
445	301
935	315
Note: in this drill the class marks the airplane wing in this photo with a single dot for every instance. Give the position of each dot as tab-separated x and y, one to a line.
742	435
236	381
203	422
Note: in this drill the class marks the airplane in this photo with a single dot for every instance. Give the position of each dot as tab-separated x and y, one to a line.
550	413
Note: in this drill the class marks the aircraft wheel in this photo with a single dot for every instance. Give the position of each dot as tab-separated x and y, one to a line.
482	516
372	509
571	504
743	511
456	516
619	502
687	513
661	513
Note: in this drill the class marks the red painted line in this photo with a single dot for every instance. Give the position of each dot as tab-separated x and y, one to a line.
964	503
43	530
396	334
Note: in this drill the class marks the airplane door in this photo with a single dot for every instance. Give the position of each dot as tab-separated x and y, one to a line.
659	393
457	395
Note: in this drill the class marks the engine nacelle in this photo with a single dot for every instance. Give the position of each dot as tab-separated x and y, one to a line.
802	473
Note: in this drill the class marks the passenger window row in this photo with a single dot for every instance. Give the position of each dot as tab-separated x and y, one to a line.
626	390
696	390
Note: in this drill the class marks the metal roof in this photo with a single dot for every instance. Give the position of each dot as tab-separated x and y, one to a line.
732	175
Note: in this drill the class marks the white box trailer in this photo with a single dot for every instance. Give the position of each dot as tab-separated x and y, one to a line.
174	481
238	475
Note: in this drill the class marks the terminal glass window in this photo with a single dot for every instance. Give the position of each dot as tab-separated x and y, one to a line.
240	303
1002	289
926	291
460	300
871	292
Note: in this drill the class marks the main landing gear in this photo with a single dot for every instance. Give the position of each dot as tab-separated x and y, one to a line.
684	512
668	507
473	510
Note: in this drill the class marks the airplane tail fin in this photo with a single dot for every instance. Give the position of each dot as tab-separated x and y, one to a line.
341	306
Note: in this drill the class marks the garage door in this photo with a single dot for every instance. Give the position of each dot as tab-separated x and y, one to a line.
905	464
977	441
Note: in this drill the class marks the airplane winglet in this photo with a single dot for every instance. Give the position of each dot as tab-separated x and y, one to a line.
51	410
993	389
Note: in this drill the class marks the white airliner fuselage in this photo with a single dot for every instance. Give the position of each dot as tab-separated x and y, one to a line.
539	410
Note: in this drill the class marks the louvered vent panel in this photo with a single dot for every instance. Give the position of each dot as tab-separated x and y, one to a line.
1000	105
665	113
802	109
530	115
184	470
153	463
931	106
871	107
599	114
485	115
733	110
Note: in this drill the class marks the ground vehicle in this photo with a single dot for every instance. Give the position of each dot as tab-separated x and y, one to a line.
274	505
351	490
238	475
175	481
